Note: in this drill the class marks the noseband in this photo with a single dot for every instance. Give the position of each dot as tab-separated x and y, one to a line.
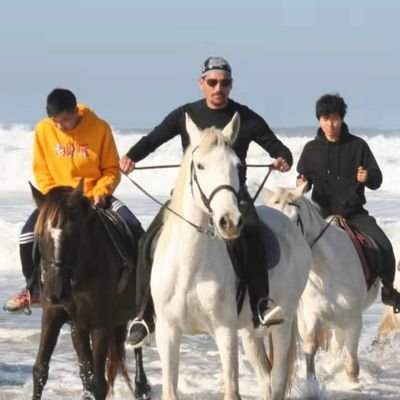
207	200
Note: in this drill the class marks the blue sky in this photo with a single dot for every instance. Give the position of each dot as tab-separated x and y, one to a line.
133	62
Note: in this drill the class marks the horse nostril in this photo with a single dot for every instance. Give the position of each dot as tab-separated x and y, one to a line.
223	223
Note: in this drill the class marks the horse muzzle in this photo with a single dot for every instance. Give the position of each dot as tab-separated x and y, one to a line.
229	228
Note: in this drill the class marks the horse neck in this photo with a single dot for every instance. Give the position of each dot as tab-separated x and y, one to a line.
182	201
177	230
313	223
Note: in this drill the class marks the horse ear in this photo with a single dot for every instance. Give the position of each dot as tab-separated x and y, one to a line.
193	131
77	193
231	130
37	195
300	190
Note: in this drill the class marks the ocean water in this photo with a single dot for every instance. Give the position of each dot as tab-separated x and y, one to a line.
200	367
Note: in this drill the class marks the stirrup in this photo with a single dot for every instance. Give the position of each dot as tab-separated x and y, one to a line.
272	316
27	310
138	321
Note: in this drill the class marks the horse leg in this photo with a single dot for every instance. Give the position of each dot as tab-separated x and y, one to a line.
315	338
168	342
142	387
284	348
257	355
52	321
227	342
352	365
310	330
99	350
337	342
81	343
310	347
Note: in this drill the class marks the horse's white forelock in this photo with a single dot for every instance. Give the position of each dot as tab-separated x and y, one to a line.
55	234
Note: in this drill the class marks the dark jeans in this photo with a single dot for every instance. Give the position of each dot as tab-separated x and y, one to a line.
367	224
252	258
26	239
247	254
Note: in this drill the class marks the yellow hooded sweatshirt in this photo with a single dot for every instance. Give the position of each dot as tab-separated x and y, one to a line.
88	151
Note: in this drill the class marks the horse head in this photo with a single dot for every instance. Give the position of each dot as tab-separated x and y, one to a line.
285	200
214	178
57	233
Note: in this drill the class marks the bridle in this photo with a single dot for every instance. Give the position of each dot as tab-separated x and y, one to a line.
210	230
299	223
207	200
53	263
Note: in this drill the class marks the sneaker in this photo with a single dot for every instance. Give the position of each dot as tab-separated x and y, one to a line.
138	332
392	298
22	302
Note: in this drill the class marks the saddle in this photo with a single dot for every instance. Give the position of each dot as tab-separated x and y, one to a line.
239	254
367	249
122	239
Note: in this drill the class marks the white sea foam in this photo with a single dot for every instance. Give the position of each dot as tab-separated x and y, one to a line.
16	158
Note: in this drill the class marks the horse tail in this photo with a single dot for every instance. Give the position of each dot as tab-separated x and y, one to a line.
116	357
389	322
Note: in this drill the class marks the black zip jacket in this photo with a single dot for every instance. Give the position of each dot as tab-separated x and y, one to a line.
252	128
331	169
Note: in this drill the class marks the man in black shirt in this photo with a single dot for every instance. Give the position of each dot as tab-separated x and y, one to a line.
338	166
216	109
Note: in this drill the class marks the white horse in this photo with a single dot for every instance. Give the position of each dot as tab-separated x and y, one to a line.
193	283
336	293
389	325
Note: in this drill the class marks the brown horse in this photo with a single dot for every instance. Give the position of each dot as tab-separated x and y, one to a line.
87	278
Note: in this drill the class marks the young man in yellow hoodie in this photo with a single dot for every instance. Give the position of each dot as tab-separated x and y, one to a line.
72	143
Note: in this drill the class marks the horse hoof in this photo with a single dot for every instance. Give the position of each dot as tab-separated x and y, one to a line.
144	393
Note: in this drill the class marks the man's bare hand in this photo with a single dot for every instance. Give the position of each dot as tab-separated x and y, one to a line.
362	175
281	165
126	164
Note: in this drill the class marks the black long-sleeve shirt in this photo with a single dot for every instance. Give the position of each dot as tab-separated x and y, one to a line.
331	169
252	128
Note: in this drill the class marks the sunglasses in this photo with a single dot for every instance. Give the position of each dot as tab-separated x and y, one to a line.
223	82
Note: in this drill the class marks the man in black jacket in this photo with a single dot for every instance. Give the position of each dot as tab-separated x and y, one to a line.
338	166
216	109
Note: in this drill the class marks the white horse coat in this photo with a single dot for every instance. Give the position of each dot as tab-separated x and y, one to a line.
336	291
193	283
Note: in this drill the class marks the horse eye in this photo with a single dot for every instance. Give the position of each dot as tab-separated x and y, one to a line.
200	166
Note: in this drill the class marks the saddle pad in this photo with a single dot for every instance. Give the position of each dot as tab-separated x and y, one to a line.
273	250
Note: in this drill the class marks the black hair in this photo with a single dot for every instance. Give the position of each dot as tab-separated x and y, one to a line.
330	104
60	100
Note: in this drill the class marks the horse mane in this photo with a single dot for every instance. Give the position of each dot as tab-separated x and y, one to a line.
51	212
210	137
